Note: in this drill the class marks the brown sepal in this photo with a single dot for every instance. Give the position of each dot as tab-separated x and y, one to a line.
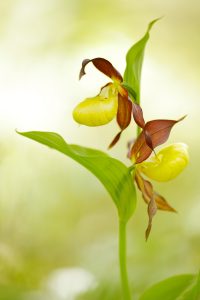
153	200
155	133
162	204
82	70
144	186
152	209
147	191
103	66
138	115
115	140
124	112
123	116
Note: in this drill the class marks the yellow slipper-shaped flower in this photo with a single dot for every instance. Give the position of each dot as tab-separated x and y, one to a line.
96	111
167	164
99	110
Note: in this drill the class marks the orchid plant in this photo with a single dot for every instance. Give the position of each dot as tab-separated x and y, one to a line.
120	99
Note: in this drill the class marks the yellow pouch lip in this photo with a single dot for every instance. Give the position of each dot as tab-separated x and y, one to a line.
96	111
167	164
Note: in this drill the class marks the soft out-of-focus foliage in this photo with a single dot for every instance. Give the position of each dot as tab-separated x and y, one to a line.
185	287
54	214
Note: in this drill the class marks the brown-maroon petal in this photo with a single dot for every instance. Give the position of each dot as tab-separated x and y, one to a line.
103	66
162	203
151	209
138	115
153	200
144	186
155	133
115	140
148	139
147	191
124	111
123	116
160	130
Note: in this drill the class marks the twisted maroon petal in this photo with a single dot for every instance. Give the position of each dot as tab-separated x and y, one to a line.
103	66
155	133
123	116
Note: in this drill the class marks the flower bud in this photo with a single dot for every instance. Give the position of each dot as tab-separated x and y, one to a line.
167	164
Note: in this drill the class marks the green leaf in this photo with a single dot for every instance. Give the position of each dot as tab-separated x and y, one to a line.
113	174
131	92
134	60
180	287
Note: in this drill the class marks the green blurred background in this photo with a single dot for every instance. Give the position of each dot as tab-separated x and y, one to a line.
58	226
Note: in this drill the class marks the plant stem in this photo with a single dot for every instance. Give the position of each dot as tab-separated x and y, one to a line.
138	131
122	261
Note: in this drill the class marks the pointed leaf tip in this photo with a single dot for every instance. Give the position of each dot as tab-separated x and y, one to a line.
151	24
134	62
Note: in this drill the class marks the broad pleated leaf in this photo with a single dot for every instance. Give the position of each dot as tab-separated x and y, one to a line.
103	65
180	287
113	174
134	61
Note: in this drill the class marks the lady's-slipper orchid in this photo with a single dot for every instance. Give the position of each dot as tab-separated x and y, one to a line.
111	102
164	166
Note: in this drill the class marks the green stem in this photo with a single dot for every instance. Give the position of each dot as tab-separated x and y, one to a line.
138	131
122	260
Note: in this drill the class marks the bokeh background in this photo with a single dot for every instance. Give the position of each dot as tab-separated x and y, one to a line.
58	226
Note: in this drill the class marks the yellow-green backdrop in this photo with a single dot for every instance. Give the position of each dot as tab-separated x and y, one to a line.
53	214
